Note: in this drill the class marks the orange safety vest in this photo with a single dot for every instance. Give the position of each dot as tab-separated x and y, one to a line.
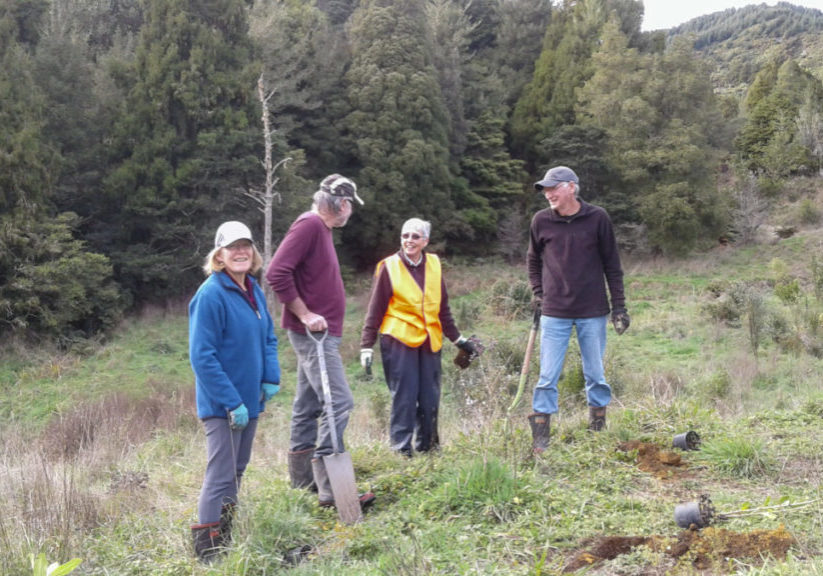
413	314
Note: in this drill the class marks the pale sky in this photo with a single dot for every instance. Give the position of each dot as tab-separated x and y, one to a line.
669	13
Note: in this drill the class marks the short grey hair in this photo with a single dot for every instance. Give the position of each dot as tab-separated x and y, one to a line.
422	227
325	202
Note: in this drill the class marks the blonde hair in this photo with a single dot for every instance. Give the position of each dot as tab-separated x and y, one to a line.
211	264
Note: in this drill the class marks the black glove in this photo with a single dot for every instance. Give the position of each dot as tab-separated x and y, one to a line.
466	344
470	348
537	303
620	320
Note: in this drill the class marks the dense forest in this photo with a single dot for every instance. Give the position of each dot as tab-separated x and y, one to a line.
130	128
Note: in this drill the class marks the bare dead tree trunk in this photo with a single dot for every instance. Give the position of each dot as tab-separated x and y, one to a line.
266	197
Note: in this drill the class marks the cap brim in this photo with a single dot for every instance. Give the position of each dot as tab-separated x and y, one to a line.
546	184
230	241
359	200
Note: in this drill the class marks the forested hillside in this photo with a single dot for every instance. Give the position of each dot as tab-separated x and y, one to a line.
130	129
738	42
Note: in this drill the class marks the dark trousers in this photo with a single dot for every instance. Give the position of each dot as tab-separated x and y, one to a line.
229	452
413	378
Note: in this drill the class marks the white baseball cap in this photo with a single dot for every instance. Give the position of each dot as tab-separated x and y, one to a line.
231	232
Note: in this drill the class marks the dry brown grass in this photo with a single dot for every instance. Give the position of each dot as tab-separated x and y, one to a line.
64	482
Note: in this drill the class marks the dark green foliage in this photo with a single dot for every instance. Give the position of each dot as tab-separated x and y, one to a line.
303	61
21	21
185	147
782	135
564	65
25	160
77	117
492	174
398	130
517	44
141	117
665	132
338	11
48	284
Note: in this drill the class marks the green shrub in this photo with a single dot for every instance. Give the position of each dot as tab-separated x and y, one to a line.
808	212
723	309
817	278
788	290
572	383
52	286
718	385
512	298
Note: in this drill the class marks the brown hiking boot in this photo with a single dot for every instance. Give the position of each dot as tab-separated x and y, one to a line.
540	424
597	418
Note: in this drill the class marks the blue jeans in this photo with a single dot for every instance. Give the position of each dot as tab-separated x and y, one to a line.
554	341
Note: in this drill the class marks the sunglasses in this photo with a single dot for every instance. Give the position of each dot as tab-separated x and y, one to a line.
412	235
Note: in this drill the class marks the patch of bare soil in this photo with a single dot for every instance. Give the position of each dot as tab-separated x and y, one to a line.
663	464
708	551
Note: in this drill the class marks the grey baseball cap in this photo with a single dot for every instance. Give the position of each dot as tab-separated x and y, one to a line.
555	176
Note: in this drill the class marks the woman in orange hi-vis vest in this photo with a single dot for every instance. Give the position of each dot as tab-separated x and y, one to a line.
409	311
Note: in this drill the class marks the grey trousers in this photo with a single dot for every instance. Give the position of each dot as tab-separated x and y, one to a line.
228	452
308	407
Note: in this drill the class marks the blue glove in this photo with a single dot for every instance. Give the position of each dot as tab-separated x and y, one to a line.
269	390
239	417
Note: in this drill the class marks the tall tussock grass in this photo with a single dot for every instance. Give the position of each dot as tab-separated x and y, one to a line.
61	484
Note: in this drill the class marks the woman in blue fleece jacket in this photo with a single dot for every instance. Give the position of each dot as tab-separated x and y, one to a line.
233	352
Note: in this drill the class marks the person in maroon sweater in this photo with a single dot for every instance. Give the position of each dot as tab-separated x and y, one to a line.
572	256
409	310
305	275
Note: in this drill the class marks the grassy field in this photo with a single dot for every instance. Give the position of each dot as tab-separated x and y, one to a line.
102	454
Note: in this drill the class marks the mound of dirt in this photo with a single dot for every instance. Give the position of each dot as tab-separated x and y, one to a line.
664	464
707	550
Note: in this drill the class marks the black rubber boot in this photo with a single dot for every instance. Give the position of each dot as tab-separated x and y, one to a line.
300	469
227	512
540	424
208	542
597	418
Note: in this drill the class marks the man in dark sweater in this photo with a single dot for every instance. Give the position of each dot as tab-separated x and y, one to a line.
305	275
572	249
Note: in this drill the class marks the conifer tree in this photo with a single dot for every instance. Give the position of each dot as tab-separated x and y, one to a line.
303	60
665	131
398	129
564	65
184	147
49	284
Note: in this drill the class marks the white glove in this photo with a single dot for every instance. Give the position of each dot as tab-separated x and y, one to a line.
366	357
